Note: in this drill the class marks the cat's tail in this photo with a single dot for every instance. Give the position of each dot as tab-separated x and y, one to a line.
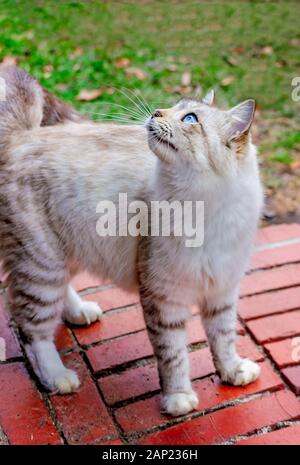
21	102
25	104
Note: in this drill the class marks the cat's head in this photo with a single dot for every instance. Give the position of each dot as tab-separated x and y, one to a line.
195	132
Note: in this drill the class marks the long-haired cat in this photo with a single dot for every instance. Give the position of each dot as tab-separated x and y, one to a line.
51	181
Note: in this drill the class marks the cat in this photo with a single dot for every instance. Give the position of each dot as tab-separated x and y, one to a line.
51	180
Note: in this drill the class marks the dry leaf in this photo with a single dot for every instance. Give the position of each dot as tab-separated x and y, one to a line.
239	50
110	90
136	72
171	67
122	63
268	50
62	87
230	60
78	52
178	89
87	95
9	61
47	70
295	42
226	81
186	79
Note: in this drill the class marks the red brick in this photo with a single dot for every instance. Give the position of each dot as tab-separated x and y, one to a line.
111	325
292	376
270	328
286	436
277	256
268	280
276	233
247	348
114	442
144	379
83	415
12	347
134	347
146	414
224	424
137	381
112	298
23	415
119	351
63	338
85	281
269	303
282	352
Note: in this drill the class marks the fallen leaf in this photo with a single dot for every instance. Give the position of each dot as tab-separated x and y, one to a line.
110	90
295	42
122	63
178	89
86	95
9	61
62	87
78	52
226	81
295	166
268	50
186	79
136	72
239	49
230	60
48	68
171	67
184	60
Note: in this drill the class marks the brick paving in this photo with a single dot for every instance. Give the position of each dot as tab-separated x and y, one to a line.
118	401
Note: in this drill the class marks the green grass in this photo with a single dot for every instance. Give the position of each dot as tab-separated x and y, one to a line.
254	44
217	40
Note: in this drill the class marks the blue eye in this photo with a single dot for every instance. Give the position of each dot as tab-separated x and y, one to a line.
191	118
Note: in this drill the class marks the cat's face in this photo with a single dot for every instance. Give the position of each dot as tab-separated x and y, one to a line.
194	132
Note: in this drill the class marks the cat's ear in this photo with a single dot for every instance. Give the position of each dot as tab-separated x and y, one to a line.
241	118
208	99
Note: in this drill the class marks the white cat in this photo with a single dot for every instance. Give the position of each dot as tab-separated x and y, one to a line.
51	181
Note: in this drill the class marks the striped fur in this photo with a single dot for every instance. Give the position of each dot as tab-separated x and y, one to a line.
51	181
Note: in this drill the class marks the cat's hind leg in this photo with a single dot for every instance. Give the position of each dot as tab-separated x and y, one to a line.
36	299
80	312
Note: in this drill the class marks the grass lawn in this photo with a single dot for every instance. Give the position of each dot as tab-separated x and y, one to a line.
166	48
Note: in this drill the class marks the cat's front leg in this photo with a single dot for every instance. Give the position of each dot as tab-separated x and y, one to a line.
219	320
166	329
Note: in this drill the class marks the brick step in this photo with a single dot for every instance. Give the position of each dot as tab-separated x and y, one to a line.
23	414
144	379
145	414
219	427
270	280
260	305
286	436
286	352
82	415
275	327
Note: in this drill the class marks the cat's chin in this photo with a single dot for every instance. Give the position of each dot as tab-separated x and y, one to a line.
162	148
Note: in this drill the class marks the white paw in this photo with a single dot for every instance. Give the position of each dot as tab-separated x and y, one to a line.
85	314
65	382
245	373
179	403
